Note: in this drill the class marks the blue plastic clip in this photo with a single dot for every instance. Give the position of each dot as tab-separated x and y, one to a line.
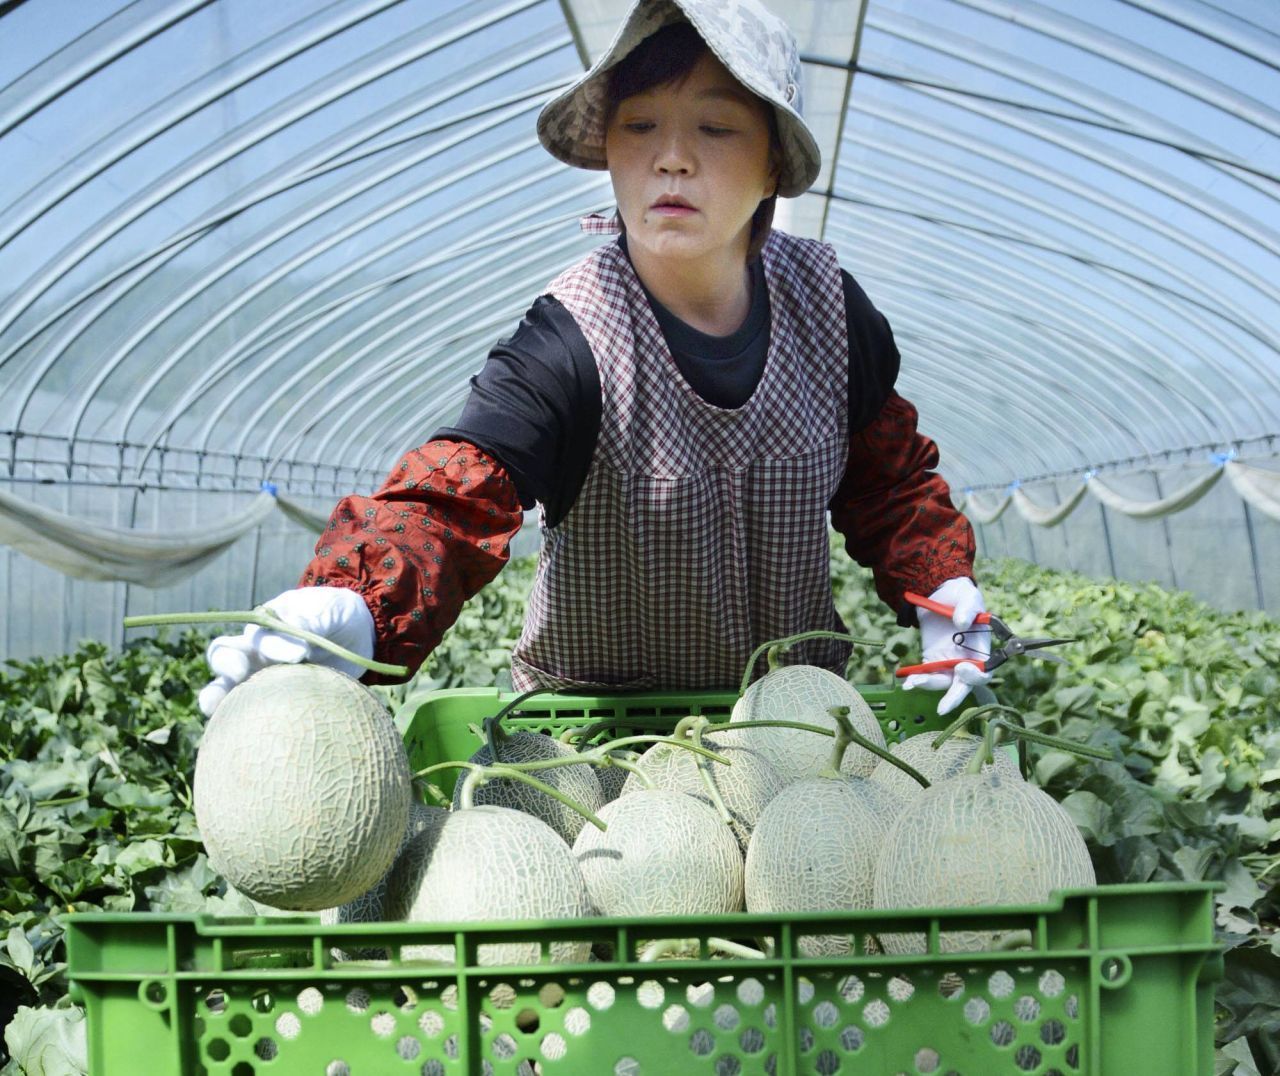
269	487
1221	459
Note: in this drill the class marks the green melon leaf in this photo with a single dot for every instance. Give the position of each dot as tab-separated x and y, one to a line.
48	1041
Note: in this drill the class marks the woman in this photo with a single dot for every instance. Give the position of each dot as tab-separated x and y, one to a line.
686	405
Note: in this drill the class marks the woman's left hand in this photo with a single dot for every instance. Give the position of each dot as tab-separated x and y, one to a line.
936	637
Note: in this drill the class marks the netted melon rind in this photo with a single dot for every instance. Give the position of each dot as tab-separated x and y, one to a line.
665	853
488	863
815	849
233	897
579	783
977	840
302	788
936	764
745	786
613	780
805	693
368	907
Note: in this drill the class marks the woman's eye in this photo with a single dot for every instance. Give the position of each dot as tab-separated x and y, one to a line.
714	131
638	125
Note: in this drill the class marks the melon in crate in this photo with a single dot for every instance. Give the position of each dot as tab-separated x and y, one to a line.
806	693
976	840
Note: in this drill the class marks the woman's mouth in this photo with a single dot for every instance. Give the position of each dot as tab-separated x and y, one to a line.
670	205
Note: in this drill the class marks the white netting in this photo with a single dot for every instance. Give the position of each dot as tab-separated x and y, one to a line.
87	550
1257	486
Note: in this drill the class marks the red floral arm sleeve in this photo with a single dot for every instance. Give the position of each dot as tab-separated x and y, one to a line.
437	531
896	514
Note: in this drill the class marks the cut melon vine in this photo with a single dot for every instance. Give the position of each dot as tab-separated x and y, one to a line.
806	693
949	759
577	782
744	786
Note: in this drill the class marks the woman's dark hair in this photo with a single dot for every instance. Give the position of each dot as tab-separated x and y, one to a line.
668	56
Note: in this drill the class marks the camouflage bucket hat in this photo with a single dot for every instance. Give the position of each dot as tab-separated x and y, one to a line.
756	47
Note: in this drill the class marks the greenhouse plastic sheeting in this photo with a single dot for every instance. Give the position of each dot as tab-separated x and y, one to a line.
248	243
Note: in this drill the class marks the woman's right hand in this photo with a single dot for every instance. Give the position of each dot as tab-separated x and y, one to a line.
340	615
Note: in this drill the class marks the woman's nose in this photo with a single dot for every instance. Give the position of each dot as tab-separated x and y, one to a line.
674	156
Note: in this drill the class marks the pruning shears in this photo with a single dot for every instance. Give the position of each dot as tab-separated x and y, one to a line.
1012	646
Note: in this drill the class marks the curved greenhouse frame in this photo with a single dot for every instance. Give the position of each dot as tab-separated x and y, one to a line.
286	240
255	256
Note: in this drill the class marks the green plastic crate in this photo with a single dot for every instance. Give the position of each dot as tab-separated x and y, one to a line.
439	727
1117	979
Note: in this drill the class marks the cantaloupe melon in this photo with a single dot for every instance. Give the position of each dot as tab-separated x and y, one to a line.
806	693
370	907
488	863
977	839
745	786
302	788
579	783
815	848
664	853
949	760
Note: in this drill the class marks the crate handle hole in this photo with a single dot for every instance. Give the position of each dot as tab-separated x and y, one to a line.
154	994
1114	971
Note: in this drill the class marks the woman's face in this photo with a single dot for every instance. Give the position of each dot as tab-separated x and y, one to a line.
703	142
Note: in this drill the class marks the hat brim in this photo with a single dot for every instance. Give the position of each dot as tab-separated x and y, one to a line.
571	126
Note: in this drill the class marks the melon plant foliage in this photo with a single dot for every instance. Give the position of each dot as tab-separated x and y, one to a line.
97	751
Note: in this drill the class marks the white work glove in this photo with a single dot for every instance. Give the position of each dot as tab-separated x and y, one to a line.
936	633
340	615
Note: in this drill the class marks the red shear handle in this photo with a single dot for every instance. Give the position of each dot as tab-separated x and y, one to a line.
940	666
938	607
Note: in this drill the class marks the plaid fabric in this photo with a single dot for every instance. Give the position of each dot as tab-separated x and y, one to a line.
598	224
700	532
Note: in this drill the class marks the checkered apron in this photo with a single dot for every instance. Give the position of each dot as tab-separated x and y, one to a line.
699	532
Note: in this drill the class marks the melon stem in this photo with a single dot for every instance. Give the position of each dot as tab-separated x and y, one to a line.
481	775
493	728
435	793
627	741
704	772
1018	731
732	948
685	726
767	725
630	767
656	950
1015	939
265	618
524	696
961	721
846	734
986	752
776	646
